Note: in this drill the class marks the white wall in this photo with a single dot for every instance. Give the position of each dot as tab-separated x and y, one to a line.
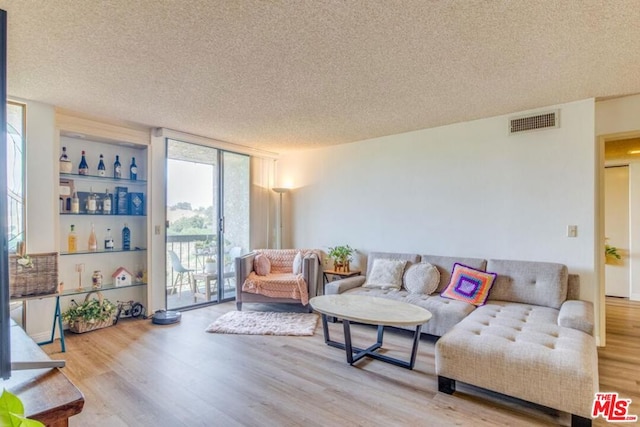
466	189
618	115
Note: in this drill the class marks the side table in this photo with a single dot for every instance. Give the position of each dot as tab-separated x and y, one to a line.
340	274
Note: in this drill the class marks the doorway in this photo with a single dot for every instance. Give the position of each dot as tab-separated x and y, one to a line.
616	229
207	223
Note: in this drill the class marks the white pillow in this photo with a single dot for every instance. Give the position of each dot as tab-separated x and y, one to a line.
386	274
297	263
421	278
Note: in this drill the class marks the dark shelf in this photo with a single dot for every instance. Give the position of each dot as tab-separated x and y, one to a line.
98	214
101	252
87	289
102	178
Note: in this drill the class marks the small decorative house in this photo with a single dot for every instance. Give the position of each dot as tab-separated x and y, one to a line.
122	277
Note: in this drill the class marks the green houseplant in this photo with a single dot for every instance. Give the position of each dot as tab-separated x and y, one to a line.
12	412
341	256
91	314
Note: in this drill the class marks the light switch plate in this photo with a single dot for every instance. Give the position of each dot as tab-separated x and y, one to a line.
572	231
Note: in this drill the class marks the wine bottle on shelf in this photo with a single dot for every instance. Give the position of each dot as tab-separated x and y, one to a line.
64	157
106	203
72	240
93	241
101	169
117	168
65	164
75	203
133	170
126	238
83	167
92	202
108	241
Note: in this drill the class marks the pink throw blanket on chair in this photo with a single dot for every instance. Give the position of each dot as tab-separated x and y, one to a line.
278	285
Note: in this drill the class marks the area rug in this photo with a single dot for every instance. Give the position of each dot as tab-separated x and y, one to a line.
264	323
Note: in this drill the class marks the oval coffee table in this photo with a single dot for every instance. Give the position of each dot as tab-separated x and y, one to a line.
371	311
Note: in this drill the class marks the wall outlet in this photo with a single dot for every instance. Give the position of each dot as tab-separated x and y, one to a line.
572	231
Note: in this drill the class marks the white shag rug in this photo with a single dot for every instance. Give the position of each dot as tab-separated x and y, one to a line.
264	323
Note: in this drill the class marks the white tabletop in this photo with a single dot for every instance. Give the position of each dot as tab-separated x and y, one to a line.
370	310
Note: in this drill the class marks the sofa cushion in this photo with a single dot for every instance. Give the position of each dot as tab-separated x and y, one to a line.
261	265
410	258
297	263
529	282
444	264
421	278
386	273
469	285
446	312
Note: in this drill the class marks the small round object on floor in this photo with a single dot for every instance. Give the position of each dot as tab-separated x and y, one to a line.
162	317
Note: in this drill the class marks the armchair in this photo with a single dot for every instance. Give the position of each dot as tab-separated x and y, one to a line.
280	285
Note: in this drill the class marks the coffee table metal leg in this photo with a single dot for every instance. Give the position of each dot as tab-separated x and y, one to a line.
414	349
347	341
370	351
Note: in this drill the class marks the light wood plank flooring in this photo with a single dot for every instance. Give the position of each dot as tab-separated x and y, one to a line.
140	374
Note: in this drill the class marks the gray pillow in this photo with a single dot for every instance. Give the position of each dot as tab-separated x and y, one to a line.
386	274
421	278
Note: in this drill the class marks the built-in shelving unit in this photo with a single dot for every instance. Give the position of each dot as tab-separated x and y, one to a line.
77	267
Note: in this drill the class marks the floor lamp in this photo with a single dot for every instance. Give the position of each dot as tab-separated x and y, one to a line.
280	192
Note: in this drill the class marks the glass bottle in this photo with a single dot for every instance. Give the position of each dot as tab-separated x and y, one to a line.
65	163
101	169
126	238
133	170
72	240
108	241
75	203
117	168
93	241
64	157
83	167
106	203
92	202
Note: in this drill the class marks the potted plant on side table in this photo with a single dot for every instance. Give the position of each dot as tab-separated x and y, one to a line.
341	256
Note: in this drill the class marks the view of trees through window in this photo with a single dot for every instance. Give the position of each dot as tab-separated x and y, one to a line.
15	173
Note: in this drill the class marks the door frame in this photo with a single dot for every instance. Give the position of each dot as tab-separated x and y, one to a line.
156	198
600	303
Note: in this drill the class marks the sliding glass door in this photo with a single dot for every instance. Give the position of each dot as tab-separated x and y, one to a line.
208	222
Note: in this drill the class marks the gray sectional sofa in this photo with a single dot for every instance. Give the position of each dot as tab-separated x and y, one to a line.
532	339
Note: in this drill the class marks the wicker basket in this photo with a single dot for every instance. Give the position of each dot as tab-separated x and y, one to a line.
80	326
39	279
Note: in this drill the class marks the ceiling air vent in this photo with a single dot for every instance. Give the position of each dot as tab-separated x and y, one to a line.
534	122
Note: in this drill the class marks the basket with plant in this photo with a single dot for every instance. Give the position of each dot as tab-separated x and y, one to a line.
92	314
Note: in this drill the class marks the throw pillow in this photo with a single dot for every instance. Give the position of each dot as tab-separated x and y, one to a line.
297	263
469	285
386	274
421	278
261	265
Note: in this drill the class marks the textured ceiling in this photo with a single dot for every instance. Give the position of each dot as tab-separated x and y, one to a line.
283	75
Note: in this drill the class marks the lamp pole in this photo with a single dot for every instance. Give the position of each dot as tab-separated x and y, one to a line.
280	191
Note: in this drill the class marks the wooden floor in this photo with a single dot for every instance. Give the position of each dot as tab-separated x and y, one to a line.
140	374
